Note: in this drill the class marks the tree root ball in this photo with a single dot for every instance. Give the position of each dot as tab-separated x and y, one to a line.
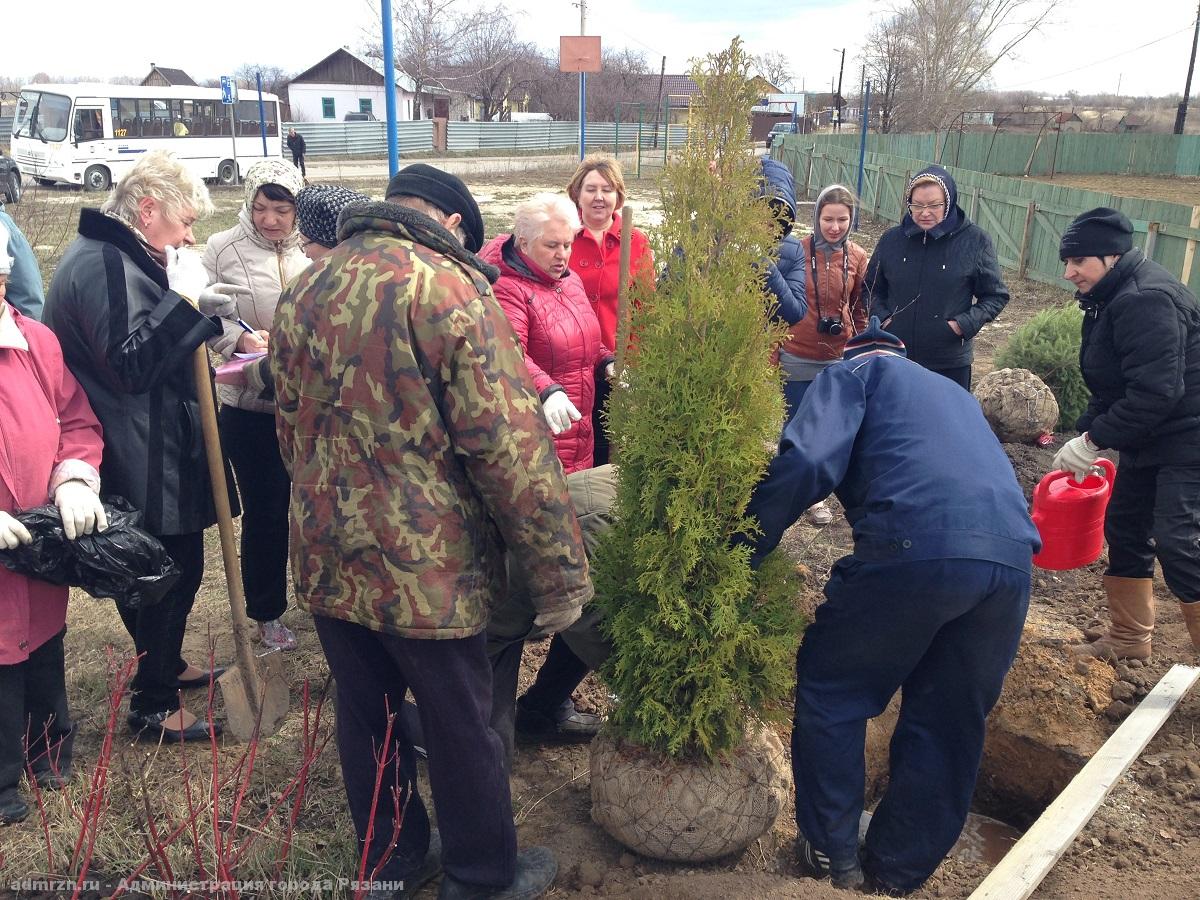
1017	404
683	811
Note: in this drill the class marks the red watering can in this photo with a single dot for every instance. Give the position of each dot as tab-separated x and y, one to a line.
1069	516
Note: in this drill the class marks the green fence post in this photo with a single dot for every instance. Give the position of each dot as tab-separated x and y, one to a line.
666	127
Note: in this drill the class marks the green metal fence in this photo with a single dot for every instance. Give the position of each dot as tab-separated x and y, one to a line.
1046	154
1025	218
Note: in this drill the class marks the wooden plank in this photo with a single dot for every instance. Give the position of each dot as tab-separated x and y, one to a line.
1034	855
1000	231
1023	255
975	204
1151	239
1189	252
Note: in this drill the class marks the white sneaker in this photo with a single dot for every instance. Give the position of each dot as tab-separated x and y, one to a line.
820	514
276	635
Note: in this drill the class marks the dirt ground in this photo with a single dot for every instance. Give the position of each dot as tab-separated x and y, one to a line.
1143	842
1145	187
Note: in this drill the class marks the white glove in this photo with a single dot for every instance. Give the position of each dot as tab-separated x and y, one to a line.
185	272
560	412
559	620
12	532
218	299
610	371
1077	456
80	508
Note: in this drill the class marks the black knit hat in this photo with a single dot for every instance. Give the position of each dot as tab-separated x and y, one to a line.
873	339
317	209
1098	232
445	191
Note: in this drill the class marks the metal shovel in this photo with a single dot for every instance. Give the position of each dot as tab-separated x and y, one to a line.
254	689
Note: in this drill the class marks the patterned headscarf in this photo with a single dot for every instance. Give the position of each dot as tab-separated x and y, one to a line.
317	209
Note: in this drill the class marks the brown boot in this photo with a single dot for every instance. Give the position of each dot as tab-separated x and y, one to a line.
1191	617
1131	608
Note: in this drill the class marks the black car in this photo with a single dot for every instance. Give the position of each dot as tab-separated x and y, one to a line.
10	179
780	128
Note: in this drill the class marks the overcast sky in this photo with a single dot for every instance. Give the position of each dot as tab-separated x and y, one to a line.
1090	45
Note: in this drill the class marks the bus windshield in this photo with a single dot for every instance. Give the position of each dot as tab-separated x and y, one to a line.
42	116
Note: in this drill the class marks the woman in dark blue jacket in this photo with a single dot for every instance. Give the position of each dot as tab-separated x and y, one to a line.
934	279
786	278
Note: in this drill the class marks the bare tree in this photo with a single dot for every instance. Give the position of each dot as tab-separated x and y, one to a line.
888	59
930	56
274	79
776	68
492	63
430	36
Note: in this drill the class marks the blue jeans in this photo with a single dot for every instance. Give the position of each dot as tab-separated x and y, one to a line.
945	632
793	393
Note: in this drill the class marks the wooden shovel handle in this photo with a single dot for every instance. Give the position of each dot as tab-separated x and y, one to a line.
229	555
623	283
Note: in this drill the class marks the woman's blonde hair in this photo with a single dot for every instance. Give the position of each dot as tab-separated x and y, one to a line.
609	169
531	217
164	178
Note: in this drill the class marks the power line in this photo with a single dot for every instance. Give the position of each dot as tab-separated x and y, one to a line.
1191	24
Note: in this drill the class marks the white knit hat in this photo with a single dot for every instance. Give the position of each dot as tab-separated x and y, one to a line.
6	262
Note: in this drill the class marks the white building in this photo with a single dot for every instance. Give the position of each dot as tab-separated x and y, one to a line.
343	83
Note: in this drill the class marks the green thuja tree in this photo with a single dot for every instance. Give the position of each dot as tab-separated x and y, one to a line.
1048	346
700	640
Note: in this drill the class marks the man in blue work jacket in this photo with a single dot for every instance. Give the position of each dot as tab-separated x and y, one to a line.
931	601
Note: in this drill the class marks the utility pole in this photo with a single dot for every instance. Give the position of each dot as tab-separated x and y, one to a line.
583	86
1181	116
838	98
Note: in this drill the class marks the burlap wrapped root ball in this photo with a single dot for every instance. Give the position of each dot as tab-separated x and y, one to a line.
689	812
1017	404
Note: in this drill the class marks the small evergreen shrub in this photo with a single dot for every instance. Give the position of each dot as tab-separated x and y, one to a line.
1048	346
699	639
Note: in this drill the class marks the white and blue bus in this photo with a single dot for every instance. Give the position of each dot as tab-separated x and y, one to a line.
91	134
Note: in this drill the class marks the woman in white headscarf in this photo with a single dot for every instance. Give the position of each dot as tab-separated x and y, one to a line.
260	254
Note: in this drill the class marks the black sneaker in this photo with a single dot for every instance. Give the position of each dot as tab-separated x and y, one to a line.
817	865
565	724
536	868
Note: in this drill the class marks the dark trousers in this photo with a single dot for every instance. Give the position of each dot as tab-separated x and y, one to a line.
34	715
253	450
1154	511
298	162
793	393
452	684
960	375
600	422
157	630
945	632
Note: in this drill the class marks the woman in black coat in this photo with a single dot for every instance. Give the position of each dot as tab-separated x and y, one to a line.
120	306
934	279
1140	357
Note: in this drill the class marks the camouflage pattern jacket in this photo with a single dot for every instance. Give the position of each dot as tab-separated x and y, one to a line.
414	438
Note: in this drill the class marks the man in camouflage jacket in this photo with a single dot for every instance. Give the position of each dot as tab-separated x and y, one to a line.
418	452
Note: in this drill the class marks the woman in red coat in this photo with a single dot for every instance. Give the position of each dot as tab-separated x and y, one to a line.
550	312
598	191
566	355
49	451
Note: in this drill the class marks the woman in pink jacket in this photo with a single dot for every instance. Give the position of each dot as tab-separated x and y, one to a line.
554	320
49	451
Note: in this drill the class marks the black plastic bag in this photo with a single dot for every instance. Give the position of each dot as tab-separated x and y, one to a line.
122	562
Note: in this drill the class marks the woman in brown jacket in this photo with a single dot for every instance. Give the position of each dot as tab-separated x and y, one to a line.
835	268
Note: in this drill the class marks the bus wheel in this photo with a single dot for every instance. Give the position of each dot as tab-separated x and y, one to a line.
226	172
96	178
13	190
